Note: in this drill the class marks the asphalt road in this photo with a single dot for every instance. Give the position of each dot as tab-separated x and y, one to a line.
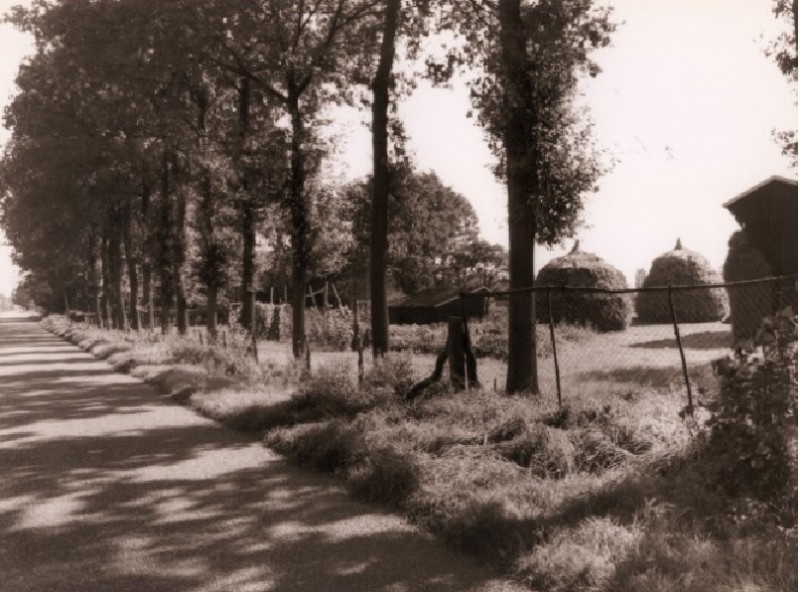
105	486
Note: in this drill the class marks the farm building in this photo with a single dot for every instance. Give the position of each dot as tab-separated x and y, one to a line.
435	305
768	216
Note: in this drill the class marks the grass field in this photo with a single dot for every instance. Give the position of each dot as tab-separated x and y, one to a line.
613	363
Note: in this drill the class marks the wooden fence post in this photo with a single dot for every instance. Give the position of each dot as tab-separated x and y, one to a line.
336	295
455	344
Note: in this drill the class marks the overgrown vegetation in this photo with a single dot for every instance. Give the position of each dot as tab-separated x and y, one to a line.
754	428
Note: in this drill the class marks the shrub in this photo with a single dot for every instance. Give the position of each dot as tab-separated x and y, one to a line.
754	430
377	473
596	453
489	337
602	420
331	329
273	321
475	500
545	451
384	475
327	446
216	360
393	371
681	267
330	391
421	339
580	557
603	312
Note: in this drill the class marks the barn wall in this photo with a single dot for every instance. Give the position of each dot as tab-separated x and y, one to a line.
770	221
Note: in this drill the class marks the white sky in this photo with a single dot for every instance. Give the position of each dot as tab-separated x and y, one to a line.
685	105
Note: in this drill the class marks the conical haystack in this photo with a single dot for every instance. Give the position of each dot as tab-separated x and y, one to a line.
682	267
602	312
749	303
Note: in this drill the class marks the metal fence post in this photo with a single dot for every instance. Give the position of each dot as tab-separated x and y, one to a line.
690	406
553	342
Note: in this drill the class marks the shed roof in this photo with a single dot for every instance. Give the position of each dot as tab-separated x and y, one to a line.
432	297
765	187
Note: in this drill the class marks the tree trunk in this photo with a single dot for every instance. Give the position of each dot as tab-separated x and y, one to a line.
248	265
212	313
164	249
105	320
147	266
179	256
131	262
248	218
299	224
522	188
213	281
147	294
94	281
211	263
115	268
380	196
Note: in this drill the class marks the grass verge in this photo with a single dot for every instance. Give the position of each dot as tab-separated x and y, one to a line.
610	494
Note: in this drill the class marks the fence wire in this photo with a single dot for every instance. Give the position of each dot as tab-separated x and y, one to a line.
593	342
586	342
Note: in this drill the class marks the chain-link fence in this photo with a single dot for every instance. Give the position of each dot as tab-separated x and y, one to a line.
585	342
591	342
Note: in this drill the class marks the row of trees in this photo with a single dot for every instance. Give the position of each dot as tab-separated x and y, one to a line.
163	140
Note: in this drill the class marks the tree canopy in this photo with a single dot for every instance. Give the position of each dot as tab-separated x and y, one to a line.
155	144
430	227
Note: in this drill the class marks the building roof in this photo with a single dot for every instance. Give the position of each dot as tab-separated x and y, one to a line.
432	297
763	187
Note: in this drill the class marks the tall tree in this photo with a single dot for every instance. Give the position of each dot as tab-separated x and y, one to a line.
784	52
379	244
523	183
299	55
528	57
427	222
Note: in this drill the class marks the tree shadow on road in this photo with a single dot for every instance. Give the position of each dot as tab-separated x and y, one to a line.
108	486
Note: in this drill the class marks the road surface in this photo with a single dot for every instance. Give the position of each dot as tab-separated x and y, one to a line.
106	486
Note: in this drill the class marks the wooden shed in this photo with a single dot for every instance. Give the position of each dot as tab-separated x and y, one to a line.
768	216
435	305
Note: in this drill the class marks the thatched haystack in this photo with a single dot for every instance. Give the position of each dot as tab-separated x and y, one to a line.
602	312
682	267
749	304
